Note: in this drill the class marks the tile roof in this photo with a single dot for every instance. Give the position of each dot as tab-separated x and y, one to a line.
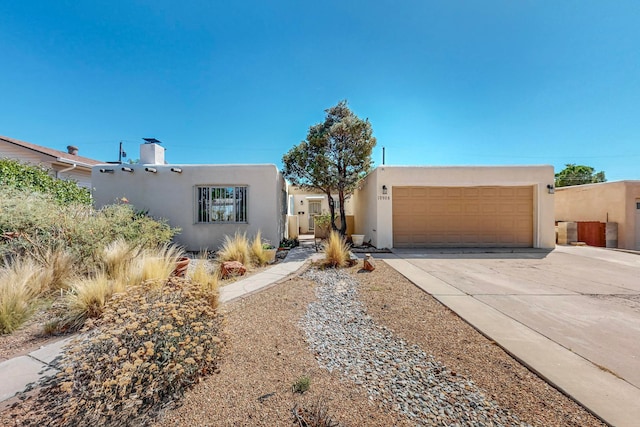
51	152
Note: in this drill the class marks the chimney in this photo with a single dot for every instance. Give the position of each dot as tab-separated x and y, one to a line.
72	149
151	152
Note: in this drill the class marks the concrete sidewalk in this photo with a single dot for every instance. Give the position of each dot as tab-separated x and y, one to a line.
17	374
611	398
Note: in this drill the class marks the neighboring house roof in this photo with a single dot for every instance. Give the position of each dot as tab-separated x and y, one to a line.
57	155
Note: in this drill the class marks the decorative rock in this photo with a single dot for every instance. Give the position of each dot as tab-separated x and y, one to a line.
232	268
182	264
353	260
345	339
369	264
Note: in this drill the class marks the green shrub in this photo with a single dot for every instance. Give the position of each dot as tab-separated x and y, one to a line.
151	344
301	385
289	243
82	231
15	174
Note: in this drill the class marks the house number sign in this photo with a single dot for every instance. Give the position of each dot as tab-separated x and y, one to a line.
384	197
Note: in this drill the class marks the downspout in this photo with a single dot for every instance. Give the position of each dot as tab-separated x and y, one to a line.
72	167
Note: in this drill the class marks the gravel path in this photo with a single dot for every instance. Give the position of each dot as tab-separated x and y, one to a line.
346	339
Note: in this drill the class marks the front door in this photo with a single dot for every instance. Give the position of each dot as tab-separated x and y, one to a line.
315	208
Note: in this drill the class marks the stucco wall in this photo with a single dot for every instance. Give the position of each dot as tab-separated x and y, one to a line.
374	210
301	200
171	195
604	202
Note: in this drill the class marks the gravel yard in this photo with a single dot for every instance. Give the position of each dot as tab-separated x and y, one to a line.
378	352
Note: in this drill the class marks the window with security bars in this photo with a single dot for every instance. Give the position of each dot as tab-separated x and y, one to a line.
221	204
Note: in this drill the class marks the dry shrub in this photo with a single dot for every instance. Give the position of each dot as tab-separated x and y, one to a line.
235	248
316	415
336	251
151	344
20	284
258	252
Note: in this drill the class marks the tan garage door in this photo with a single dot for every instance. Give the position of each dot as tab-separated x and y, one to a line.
462	216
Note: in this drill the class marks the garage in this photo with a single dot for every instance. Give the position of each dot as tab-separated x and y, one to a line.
483	216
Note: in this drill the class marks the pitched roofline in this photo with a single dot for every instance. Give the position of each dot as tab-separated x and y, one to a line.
58	155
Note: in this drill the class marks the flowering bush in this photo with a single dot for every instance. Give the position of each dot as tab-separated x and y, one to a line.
150	345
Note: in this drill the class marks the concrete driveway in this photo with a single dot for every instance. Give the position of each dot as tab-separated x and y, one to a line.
586	300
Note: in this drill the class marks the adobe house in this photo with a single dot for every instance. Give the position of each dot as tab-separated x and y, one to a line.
606	202
63	165
457	206
206	201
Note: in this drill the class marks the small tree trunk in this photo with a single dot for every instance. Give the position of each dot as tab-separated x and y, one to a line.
343	217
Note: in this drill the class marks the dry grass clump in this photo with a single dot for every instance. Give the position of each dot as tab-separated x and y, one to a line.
316	415
259	250
17	294
22	282
87	296
117	258
150	345
201	275
336	251
235	248
155	264
86	299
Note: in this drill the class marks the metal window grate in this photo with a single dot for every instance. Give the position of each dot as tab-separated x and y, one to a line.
221	204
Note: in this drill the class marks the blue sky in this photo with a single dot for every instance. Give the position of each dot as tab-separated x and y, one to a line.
442	82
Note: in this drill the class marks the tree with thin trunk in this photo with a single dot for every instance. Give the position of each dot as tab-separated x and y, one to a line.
334	157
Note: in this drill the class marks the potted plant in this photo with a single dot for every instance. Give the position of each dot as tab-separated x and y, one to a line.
270	250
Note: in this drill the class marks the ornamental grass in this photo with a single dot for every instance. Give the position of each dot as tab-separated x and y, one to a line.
150	345
235	248
336	251
259	253
200	274
22	282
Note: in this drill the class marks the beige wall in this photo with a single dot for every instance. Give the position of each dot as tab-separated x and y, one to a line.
171	195
604	202
373	210
301	199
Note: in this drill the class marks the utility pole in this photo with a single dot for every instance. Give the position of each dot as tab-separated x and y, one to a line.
121	154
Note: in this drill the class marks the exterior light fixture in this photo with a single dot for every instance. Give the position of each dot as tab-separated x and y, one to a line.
176	170
106	170
152	170
384	189
127	169
302	202
551	188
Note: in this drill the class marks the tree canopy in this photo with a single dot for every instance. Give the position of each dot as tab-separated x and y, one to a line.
574	174
335	155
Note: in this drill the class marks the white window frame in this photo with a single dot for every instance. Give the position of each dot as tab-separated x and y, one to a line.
221	204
